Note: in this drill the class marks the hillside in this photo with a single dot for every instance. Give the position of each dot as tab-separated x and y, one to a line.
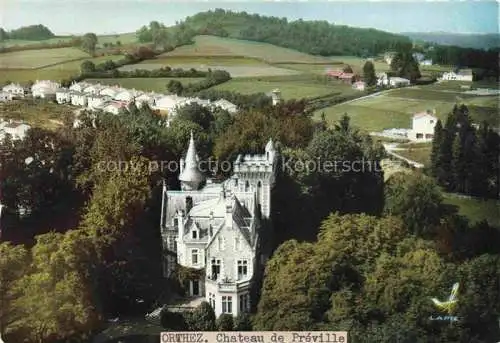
313	37
474	41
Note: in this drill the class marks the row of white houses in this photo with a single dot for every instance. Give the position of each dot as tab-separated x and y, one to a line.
109	98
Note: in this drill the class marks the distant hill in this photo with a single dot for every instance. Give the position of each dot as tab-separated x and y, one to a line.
474	41
312	37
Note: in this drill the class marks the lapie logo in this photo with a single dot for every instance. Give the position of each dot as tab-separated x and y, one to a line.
447	306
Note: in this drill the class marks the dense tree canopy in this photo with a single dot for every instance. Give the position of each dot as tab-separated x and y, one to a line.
314	37
31	32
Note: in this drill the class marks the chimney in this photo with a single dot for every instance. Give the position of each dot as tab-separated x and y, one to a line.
180	223
229	212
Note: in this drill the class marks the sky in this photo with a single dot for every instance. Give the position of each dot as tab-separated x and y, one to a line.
120	16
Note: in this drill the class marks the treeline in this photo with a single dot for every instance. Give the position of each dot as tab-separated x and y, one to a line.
313	37
212	78
465	156
165	38
38	46
467	57
32	32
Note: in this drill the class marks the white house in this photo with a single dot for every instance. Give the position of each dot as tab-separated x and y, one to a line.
398	82
170	103
63	96
97	102
79	87
45	89
225	105
426	62
359	85
125	95
15	89
147	98
276	97
110	91
460	75
114	107
217	228
93	89
5	96
79	99
423	126
17	130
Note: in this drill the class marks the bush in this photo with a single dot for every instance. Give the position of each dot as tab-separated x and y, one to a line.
202	319
173	320
243	322
225	322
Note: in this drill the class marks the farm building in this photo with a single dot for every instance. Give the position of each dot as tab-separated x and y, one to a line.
79	87
78	99
96	102
459	75
14	88
423	126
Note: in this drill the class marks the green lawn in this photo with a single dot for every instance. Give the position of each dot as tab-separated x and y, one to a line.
146	84
476	210
217	46
417	154
395	108
291	87
205	61
55	72
30	59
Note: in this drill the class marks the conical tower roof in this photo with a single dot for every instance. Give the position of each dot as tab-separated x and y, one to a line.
191	171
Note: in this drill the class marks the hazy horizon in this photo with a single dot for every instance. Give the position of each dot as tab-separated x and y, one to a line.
112	17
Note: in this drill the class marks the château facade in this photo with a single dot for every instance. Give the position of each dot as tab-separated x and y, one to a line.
217	227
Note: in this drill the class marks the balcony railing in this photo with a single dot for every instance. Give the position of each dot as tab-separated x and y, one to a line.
228	285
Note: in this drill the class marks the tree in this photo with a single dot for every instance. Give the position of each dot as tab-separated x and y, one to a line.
416	199
437	141
347	69
87	67
175	87
54	299
369	74
89	43
225	322
197	114
203	318
14	261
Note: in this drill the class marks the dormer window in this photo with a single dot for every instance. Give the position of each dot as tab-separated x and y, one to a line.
194	234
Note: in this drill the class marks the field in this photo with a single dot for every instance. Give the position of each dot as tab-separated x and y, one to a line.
236	67
216	46
394	108
475	209
420	154
123	38
59	71
31	59
16	42
145	84
291	87
36	113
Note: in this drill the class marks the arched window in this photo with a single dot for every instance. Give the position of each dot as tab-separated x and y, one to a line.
259	191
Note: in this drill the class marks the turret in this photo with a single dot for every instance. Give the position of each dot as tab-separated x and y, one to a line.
190	176
276	96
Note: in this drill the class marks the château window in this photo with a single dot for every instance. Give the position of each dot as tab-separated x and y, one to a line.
244	302
242	269
215	268
194	256
194	234
247	186
211	300
227	304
